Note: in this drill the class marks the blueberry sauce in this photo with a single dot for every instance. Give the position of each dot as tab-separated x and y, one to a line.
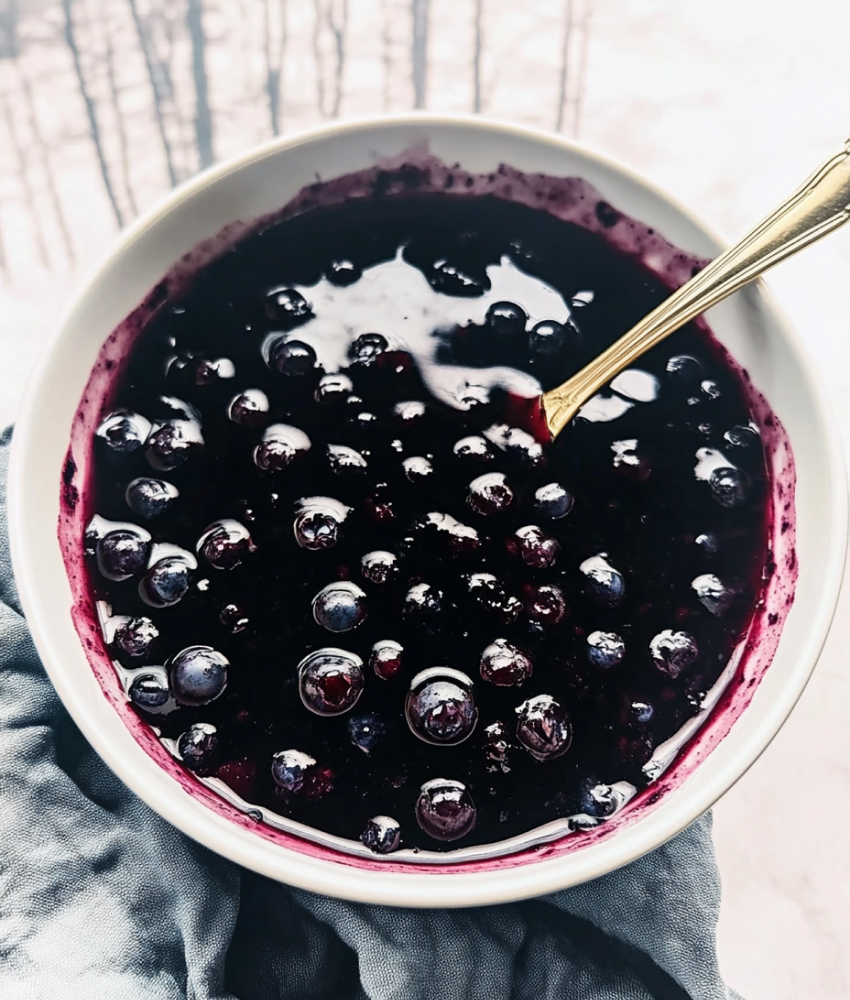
348	576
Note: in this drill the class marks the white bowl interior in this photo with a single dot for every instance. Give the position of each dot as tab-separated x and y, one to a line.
749	326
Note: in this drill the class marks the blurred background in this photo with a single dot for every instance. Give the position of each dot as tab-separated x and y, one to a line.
107	104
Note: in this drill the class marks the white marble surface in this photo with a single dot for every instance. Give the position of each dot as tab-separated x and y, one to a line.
728	105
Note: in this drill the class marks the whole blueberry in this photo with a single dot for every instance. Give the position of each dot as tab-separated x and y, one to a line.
440	706
198	746
343	272
330	681
287	307
225	544
473	449
379	566
470	397
553	501
385	658
210	371
316	529
188	369
684	371
490	595
318	521
490	494
172	443
345	461
712	593
545	604
410	411
517	444
544	727
597	799
741	436
234	618
504	665
604	585
497	746
333	388
340	607
546	339
536	549
366	348
636	711
149	691
364	421
445	810
290	769
730	487
417	469
382	834
150	497
506	319
366	731
605	649
123	553
123	432
249	408
607	215
170	408
166	582
280	446
672	652
451	279
629	461
291	357
452	536
707	543
198	675
274	454
422	605
135	638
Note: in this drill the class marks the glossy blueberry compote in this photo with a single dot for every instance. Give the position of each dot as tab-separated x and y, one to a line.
349	580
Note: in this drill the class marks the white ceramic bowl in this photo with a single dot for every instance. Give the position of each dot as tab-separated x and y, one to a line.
261	182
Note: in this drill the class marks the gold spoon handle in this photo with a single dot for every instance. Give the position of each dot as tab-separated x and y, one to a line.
815	209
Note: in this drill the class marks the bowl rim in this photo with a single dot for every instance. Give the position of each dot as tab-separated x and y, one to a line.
338	879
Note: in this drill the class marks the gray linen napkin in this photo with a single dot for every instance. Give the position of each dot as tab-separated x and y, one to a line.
100	899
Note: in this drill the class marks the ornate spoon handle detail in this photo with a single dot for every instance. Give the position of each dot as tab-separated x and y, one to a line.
815	209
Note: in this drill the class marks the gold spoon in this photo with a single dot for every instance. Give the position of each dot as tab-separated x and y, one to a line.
815	209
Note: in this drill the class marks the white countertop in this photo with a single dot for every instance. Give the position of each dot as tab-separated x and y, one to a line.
727	105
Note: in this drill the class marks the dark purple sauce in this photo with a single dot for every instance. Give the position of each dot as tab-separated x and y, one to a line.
637	506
